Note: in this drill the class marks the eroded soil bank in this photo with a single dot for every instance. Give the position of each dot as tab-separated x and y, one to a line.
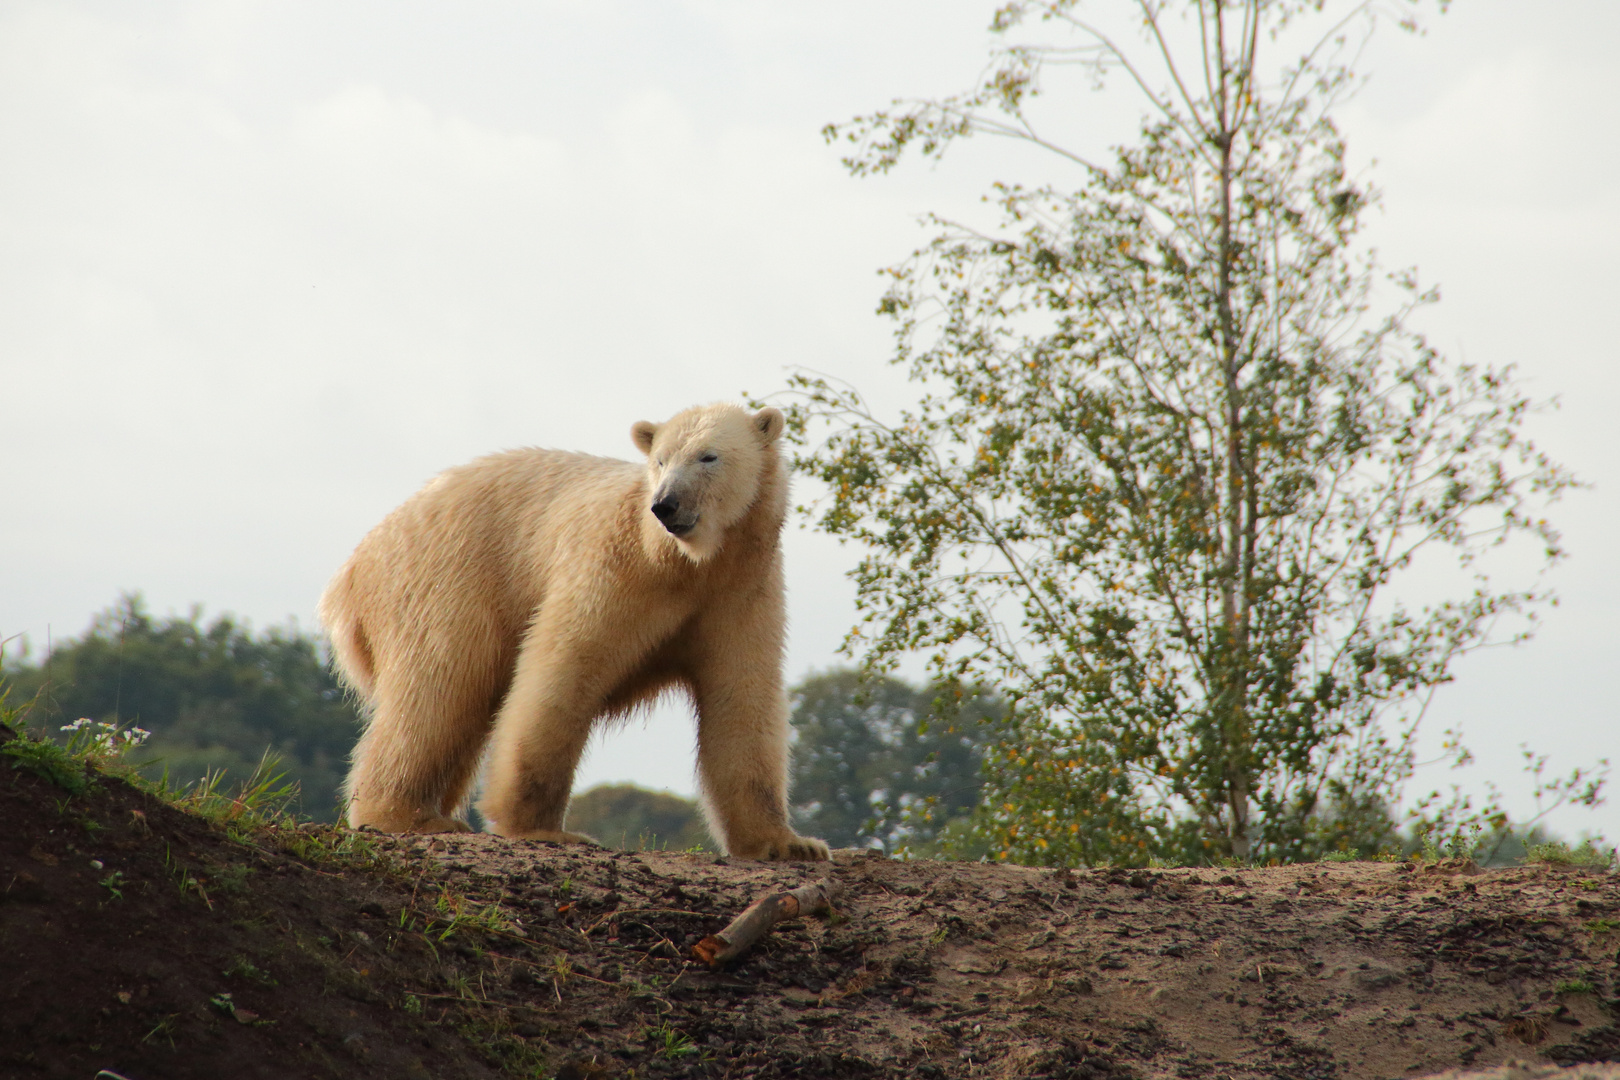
1354	970
149	942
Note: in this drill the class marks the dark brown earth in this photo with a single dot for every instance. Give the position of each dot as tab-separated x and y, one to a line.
471	956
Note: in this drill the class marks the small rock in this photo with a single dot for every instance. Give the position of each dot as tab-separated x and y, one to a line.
1376	978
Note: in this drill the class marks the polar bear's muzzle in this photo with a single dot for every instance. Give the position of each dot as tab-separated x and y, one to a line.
678	520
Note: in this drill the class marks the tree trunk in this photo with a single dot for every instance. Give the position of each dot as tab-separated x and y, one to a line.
1235	733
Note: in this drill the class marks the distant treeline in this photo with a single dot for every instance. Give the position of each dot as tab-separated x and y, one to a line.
880	764
877	762
215	696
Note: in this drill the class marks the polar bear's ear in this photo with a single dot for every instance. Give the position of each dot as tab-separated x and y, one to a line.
641	433
769	423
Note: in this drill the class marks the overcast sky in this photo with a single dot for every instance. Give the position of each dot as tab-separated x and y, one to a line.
267	267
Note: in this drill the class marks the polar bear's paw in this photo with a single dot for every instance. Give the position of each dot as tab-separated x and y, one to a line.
789	847
373	819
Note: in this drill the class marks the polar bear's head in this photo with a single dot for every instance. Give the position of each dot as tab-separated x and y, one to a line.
704	468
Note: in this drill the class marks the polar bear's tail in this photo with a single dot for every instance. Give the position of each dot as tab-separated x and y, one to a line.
350	648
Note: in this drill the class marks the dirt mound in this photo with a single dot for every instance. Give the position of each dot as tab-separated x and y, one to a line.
149	942
1356	970
155	944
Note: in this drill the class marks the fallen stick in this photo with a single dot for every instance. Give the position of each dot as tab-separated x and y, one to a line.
759	917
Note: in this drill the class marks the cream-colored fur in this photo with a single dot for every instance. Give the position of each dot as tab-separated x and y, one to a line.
525	597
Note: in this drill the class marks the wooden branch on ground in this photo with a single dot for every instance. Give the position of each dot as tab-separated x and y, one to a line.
759	917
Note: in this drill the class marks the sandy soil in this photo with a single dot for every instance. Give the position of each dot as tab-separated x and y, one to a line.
124	923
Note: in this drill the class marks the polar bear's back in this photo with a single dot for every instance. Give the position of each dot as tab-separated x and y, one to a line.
460	566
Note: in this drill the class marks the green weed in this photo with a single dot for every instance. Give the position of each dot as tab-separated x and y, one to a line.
514	1056
1575	986
224	1004
184	879
1559	853
232	879
243	968
668	1042
457	914
46	759
164	1030
262	799
91	744
331	845
112	883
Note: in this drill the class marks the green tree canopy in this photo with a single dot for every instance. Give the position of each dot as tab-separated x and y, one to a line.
636	819
883	764
1178	449
214	696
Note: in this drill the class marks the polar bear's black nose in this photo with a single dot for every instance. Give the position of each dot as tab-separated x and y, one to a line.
666	508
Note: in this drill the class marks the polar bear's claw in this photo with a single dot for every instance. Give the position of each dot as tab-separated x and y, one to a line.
792	849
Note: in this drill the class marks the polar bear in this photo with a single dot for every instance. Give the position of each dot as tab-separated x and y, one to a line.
523	598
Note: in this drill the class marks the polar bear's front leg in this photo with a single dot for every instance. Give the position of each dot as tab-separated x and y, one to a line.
742	764
743	742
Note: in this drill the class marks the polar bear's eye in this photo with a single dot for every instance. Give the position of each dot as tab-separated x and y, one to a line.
709	459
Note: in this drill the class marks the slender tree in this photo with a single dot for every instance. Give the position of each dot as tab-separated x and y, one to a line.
1177	445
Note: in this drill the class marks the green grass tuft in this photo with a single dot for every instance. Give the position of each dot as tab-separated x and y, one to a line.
48	760
1559	853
